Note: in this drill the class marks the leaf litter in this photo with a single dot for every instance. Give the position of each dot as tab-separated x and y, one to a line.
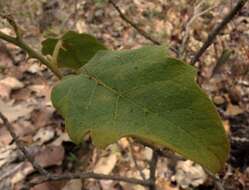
102	21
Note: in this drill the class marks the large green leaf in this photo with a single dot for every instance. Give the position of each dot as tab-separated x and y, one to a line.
145	94
77	49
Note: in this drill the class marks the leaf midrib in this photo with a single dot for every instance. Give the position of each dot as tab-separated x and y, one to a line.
144	108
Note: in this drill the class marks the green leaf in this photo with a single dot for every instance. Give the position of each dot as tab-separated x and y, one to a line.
77	49
143	93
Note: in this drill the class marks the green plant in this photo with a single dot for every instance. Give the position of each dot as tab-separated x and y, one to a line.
142	93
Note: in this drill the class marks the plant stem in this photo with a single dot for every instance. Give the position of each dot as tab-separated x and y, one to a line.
31	52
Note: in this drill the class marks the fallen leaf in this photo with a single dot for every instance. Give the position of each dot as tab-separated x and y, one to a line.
106	164
63	137
46	157
21	128
50	156
189	174
35	68
43	186
5	91
233	110
12	82
8	154
163	184
25	169
13	112
74	184
41	117
44	135
21	94
226	125
41	90
5	137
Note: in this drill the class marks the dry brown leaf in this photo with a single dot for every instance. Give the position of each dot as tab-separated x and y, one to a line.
233	110
12	82
5	138
13	112
106	164
25	169
189	174
44	135
8	84
35	68
8	154
43	186
5	91
41	89
41	117
163	184
47	156
50	156
226	126
74	184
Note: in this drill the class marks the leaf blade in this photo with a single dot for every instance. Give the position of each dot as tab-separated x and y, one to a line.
77	49
145	94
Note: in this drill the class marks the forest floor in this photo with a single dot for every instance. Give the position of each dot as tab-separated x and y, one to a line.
25	88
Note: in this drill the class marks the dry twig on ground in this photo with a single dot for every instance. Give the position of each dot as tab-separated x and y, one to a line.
46	176
212	35
153	166
136	27
197	13
127	20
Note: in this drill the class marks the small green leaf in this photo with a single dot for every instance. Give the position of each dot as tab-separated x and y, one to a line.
143	93
77	49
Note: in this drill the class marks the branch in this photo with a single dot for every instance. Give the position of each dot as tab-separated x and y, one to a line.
139	30
131	150
197	13
67	176
12	22
20	146
31	52
153	165
217	29
90	175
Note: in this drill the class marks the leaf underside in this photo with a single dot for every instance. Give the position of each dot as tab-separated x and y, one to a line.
77	49
143	93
